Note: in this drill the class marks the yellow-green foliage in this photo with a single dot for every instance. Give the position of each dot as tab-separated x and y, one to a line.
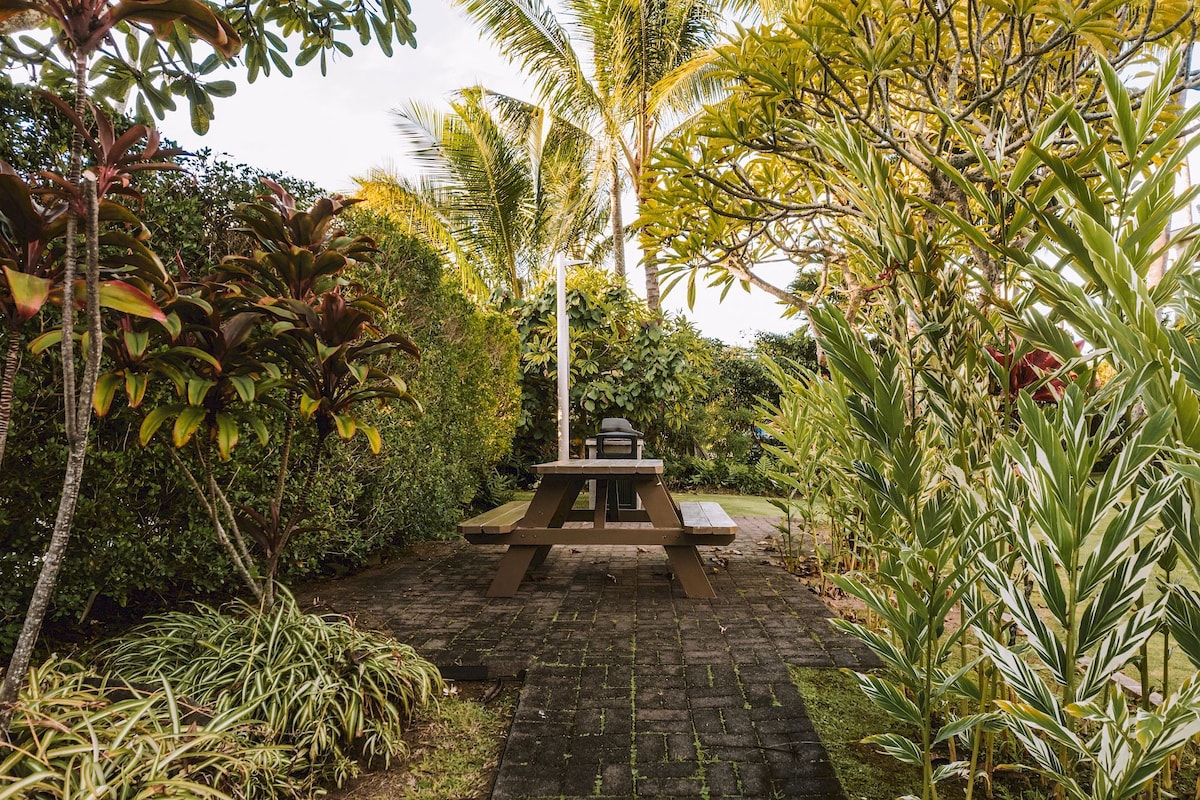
434	463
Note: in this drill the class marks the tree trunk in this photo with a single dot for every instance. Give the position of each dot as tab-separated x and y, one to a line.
653	295
77	437
618	225
77	400
11	362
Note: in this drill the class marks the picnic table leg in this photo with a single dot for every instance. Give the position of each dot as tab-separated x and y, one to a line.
539	556
685	563
656	501
512	569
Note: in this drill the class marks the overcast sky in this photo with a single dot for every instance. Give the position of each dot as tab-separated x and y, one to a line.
331	129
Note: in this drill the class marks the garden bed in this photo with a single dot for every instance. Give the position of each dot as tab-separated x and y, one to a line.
453	748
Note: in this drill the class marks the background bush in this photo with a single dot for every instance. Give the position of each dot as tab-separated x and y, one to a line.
625	362
140	539
723	449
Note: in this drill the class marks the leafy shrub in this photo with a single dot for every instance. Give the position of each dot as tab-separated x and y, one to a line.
78	735
719	446
435	463
625	362
316	685
137	545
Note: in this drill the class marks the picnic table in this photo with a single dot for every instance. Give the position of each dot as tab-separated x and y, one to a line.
531	528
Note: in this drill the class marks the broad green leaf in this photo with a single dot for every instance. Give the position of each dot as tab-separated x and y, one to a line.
227	435
45	341
373	437
154	421
106	389
346	425
898	748
135	387
186	424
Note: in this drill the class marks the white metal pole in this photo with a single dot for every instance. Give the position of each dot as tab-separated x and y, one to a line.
564	360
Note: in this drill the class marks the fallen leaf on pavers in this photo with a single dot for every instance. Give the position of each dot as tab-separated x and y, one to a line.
733	552
492	693
611	577
643	550
576	550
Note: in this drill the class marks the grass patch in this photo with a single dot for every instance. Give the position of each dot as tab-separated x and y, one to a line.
454	748
842	716
735	505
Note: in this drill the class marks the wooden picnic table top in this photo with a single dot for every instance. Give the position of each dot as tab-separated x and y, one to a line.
601	467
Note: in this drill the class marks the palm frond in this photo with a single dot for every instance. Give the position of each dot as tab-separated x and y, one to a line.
415	209
528	32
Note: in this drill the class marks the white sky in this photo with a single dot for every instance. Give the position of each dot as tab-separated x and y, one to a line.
329	130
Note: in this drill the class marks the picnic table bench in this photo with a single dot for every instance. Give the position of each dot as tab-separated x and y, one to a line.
531	528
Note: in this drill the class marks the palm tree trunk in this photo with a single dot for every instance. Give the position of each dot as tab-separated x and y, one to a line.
11	362
618	225
653	295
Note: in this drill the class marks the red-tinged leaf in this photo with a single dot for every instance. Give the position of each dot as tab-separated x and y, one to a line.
227	435
154	421
16	205
197	17
346	425
186	424
106	390
373	437
121	296
29	292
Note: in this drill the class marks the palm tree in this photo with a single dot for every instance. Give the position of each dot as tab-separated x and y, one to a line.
649	63
504	186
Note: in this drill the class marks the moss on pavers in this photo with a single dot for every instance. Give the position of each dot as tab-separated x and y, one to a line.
632	690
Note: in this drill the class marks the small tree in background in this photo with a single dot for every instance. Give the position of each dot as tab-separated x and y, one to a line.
625	362
280	336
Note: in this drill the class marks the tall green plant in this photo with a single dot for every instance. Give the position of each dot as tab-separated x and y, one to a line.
1083	532
924	535
282	336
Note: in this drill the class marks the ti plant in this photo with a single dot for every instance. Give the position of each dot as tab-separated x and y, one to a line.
1082	530
279	338
143	48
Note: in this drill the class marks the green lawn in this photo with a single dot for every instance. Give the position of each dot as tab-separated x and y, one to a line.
735	505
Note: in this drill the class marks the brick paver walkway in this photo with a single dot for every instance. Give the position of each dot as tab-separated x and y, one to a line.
631	689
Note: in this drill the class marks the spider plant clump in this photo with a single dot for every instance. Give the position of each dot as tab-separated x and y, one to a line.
331	693
75	735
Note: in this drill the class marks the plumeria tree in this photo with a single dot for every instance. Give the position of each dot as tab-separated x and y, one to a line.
750	194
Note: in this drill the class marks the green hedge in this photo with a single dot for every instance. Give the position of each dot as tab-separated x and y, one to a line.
140	538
